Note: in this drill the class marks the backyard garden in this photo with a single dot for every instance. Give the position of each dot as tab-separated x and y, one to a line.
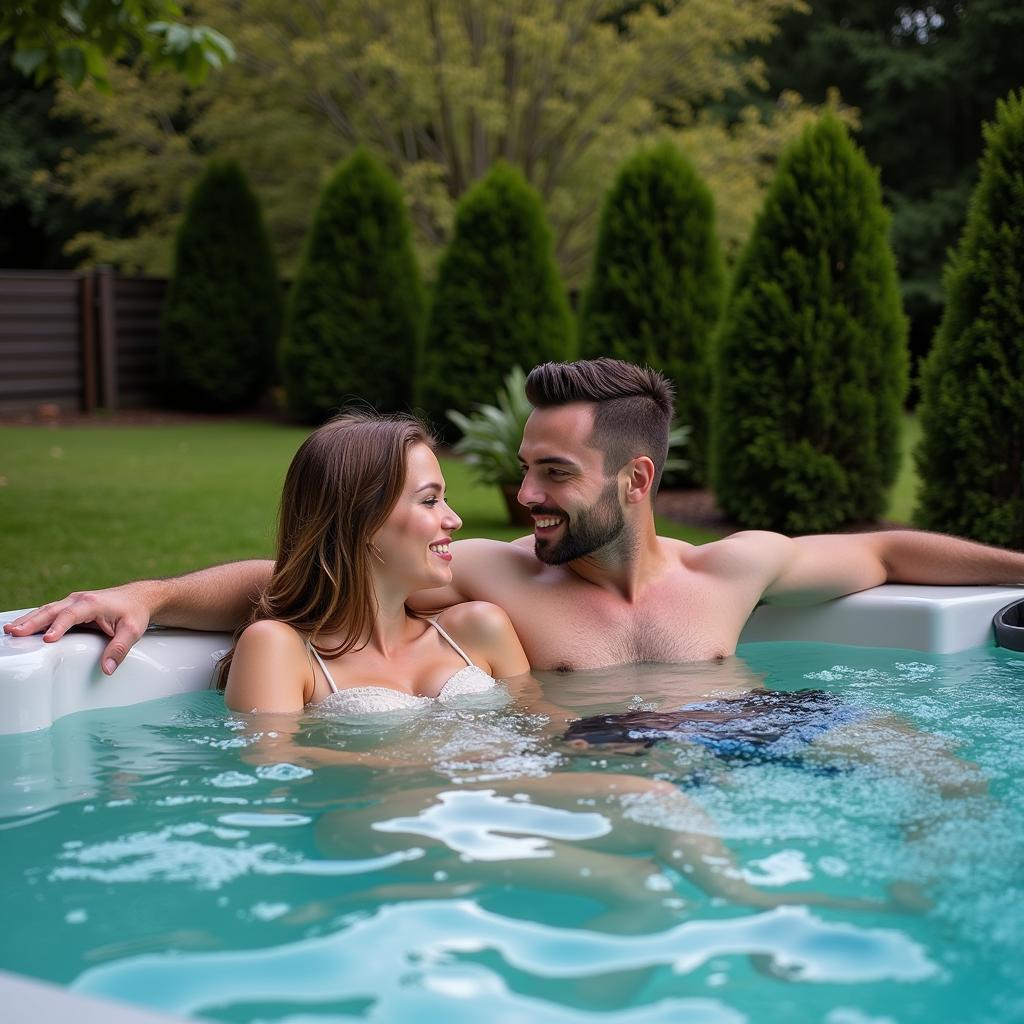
588	797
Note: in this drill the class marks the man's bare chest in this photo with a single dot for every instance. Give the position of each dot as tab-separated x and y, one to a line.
568	628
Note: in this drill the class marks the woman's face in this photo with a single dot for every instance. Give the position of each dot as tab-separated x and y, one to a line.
413	542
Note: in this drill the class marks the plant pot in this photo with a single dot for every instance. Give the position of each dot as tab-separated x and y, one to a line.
518	515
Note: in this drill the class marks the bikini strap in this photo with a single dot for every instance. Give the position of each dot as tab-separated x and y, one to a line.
437	625
327	674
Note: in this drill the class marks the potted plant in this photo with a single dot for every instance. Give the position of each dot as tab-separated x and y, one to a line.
492	434
490	441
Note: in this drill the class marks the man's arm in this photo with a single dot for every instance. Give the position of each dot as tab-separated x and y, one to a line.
823	567
474	562
218	598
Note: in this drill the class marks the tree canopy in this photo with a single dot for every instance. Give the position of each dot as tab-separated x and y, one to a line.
72	39
924	78
439	92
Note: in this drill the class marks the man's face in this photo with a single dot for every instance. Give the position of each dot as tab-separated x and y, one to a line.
576	508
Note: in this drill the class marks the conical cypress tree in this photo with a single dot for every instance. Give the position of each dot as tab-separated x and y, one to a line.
812	353
355	311
222	316
499	301
971	458
656	288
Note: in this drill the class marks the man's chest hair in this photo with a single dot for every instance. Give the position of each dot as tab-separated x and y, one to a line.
570	642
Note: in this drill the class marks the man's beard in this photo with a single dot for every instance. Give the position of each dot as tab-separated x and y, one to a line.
587	532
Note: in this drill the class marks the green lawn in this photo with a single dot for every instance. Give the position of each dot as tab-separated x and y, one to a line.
92	506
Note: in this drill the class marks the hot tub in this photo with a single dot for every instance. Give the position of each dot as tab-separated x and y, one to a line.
205	842
41	682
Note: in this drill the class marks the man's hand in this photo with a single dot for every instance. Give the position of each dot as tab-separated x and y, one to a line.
121	612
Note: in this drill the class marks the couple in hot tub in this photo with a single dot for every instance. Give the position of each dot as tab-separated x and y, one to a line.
370	606
364	551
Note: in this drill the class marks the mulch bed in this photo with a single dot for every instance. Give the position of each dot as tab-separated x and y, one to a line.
694	508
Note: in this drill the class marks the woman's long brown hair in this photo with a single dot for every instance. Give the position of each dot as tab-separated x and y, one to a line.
341	486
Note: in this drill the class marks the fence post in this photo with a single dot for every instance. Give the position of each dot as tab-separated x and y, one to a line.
87	314
107	337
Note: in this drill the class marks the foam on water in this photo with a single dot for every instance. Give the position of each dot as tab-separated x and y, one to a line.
480	825
424	937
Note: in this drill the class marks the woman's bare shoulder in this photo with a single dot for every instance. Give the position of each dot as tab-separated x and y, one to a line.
486	632
476	621
271	635
270	670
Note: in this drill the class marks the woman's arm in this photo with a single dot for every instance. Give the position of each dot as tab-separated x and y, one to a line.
270	670
271	739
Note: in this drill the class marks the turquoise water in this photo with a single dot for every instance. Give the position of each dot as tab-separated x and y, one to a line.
171	855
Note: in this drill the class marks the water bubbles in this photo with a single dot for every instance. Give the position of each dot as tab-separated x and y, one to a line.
232	780
282	772
850	1015
834	867
780	868
481	825
658	882
268	911
274	820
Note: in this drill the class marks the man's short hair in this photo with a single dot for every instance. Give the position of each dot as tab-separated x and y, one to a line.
634	406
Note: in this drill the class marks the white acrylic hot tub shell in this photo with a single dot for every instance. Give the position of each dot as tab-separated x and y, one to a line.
40	682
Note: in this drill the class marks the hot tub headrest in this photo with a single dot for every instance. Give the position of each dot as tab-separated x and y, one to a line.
1009	626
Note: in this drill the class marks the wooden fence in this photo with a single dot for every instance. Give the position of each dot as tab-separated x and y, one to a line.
80	340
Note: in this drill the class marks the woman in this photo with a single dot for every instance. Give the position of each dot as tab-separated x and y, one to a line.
363	524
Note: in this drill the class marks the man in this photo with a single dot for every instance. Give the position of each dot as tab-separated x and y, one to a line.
595	585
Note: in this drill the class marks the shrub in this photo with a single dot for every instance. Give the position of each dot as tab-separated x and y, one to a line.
355	311
812	353
491	436
971	457
656	288
222	315
499	301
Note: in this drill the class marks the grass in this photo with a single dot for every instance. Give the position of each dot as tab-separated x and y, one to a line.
90	507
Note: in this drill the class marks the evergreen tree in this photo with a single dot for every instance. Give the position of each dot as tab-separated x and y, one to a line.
924	77
971	458
812	354
355	312
222	316
499	301
656	288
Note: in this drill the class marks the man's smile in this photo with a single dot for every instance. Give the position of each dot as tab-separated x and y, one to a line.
541	523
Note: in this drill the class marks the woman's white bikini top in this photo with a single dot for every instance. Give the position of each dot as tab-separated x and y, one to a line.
360	700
